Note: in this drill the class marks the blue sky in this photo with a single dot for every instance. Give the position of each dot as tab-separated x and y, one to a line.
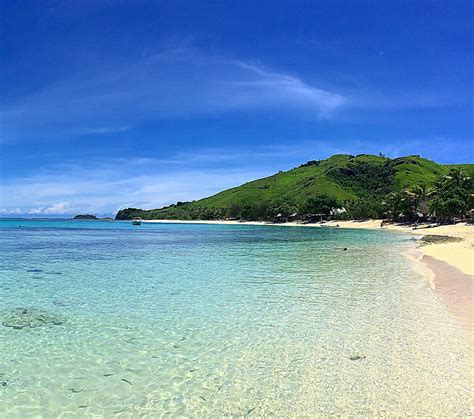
108	104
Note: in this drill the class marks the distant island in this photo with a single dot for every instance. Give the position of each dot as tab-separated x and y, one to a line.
85	217
91	217
342	187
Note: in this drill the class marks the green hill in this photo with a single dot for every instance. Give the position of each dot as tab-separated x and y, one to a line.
342	177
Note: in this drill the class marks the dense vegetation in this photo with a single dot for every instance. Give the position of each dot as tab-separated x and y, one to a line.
342	187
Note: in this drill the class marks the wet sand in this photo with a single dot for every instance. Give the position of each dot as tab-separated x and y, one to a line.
456	289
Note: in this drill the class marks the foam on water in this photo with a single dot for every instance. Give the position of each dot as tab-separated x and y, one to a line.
208	320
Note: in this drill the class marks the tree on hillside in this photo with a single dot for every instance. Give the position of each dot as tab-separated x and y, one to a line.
452	196
363	208
235	210
320	204
254	211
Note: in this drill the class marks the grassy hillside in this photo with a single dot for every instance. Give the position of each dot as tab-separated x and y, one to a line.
342	177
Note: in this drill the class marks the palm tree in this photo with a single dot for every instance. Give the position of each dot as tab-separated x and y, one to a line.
420	194
451	196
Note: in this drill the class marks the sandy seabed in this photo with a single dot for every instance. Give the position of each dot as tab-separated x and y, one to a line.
449	267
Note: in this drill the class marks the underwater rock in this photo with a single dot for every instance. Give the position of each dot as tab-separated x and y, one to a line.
437	239
357	357
21	318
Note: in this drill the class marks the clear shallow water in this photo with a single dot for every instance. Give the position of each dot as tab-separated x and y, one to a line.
209	320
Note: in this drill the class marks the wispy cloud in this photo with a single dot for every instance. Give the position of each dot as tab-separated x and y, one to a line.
293	87
174	83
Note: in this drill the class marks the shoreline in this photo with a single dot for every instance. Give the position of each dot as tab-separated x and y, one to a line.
456	290
447	267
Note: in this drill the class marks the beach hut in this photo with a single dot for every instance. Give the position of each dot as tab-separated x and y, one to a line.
293	217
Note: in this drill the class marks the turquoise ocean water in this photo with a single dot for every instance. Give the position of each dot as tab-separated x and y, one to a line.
104	318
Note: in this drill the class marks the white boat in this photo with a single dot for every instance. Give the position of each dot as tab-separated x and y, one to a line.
136	221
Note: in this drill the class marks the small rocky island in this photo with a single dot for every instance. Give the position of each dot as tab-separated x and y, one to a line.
85	217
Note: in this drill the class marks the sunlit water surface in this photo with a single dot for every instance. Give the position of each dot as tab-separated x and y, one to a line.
208	320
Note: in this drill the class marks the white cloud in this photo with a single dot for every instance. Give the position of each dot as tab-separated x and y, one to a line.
55	209
10	211
103	187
